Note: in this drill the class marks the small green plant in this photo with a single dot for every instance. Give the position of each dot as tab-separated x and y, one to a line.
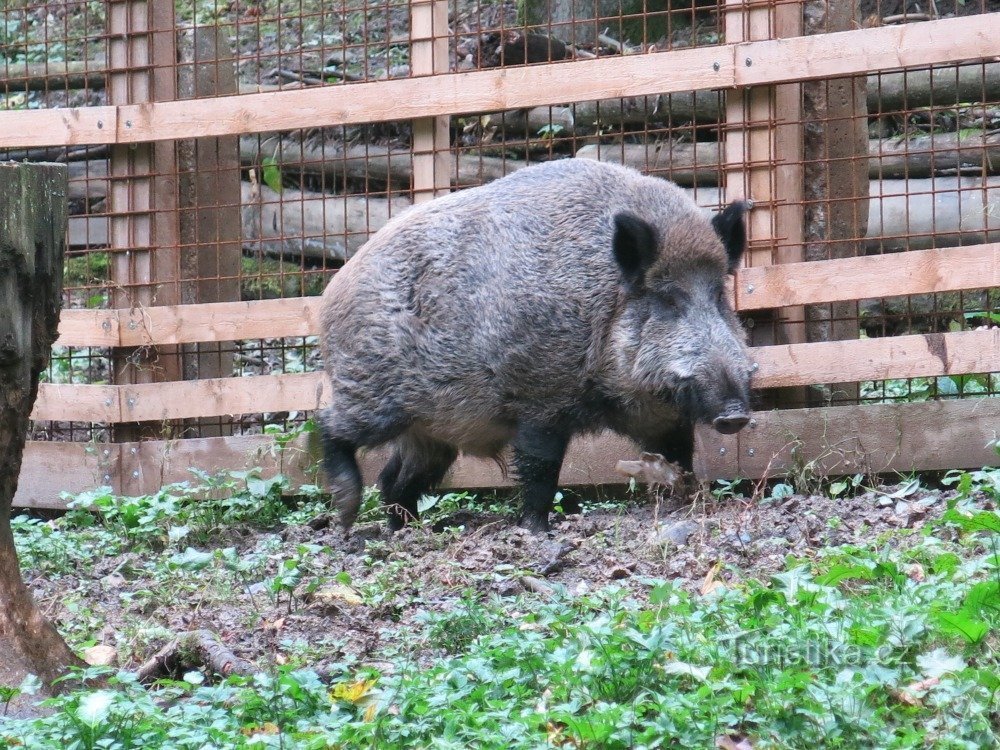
7	694
292	571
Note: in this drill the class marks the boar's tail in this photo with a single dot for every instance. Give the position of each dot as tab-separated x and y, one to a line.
343	474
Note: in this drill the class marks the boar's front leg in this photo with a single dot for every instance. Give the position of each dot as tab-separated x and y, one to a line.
538	457
417	466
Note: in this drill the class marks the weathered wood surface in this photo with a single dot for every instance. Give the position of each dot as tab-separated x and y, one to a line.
832	440
32	235
887	158
209	202
915	272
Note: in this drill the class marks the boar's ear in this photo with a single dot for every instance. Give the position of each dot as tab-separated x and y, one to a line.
635	246
728	224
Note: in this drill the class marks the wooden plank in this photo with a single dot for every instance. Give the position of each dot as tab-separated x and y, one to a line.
922	355
221	321
28	128
869	439
779	61
215	397
97	328
882	48
431	96
830	440
429	56
897	274
763	154
52	468
148	465
77	403
952	40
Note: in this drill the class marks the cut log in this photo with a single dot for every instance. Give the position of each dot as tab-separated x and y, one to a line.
903	214
380	164
300	226
52	76
32	236
889	158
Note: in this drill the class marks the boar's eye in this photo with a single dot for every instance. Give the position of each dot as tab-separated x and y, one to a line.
673	301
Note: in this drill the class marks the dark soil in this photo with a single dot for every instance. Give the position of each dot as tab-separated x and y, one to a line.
420	570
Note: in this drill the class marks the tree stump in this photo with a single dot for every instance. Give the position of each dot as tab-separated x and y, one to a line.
33	220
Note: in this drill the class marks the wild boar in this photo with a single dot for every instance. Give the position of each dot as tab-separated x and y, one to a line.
568	297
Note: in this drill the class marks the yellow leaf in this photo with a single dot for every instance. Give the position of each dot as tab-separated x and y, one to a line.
352	692
266	728
371	711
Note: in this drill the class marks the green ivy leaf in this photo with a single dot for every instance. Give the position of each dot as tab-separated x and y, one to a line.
962	624
272	173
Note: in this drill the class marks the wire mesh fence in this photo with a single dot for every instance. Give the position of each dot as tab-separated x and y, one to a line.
870	163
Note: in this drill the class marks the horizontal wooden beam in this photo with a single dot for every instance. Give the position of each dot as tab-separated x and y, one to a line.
143	467
78	403
919	355
813	442
897	274
929	355
676	71
915	272
839	440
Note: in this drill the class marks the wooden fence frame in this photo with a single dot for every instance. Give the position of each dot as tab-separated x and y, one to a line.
828	440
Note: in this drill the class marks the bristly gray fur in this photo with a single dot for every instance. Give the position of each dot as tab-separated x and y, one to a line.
469	317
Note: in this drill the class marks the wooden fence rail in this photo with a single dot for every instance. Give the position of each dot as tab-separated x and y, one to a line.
898	274
718	67
920	355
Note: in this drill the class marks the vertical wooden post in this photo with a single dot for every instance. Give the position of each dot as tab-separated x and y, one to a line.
209	198
763	155
142	198
33	224
763	162
429	55
836	183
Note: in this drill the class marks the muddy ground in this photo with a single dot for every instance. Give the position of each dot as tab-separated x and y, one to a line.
391	581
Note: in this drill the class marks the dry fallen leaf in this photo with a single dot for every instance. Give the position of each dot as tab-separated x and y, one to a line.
100	656
906	694
732	742
710	584
336	594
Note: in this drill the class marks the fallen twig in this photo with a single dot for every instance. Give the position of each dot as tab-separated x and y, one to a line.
205	645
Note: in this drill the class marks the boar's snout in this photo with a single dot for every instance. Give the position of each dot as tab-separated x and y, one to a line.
734	418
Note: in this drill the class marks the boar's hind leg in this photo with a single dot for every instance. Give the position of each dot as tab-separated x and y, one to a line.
416	466
343	474
538	456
